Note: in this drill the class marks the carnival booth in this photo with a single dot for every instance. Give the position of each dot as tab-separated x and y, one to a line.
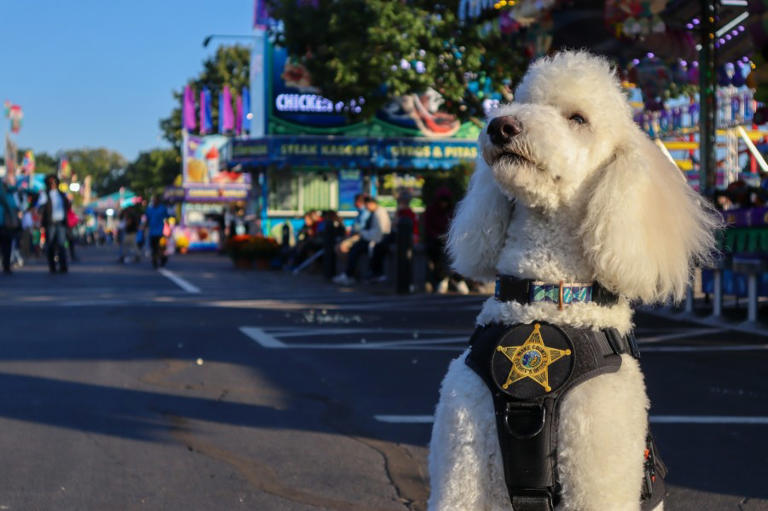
208	194
317	156
300	173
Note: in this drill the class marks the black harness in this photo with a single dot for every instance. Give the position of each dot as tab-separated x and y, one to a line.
528	369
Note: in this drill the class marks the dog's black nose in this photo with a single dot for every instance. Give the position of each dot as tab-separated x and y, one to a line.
502	129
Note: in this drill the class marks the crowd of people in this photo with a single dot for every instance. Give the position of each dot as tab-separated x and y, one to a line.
32	223
740	195
372	236
44	224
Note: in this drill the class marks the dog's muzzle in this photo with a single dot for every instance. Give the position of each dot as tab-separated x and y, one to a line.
503	129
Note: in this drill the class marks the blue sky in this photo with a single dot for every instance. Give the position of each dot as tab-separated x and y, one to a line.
99	73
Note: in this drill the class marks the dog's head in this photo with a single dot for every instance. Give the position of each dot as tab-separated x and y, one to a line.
568	120
568	146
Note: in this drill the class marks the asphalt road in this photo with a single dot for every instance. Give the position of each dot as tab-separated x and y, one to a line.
206	388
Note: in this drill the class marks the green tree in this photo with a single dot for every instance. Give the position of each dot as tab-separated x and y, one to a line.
153	170
106	168
45	163
229	66
377	49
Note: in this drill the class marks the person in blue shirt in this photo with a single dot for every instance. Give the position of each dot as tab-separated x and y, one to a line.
156	214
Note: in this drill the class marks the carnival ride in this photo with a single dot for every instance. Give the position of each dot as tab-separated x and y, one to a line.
740	189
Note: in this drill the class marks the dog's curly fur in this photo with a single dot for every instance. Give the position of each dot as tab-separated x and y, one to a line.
577	202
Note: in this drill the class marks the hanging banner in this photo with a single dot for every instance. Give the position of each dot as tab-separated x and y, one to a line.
188	109
350	184
15	114
11	158
28	163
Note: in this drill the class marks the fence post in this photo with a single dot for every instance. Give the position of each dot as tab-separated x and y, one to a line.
752	297
689	299
717	294
329	250
404	238
752	266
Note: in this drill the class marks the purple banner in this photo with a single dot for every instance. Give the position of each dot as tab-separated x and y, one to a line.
239	116
188	110
225	111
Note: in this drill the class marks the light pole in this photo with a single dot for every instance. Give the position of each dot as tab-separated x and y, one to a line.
707	99
210	37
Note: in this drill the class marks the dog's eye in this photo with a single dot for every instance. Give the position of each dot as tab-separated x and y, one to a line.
578	119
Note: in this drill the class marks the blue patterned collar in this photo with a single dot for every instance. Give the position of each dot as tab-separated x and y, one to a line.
534	291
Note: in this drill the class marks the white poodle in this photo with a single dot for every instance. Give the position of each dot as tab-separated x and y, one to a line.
568	189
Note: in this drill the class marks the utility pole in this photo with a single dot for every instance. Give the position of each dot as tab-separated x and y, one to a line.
707	99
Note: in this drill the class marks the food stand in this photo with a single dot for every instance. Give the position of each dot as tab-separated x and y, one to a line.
207	192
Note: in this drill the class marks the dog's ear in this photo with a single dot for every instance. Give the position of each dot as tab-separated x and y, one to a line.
478	230
644	226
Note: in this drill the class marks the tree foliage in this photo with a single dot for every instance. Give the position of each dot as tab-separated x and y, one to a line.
106	168
229	66
153	170
378	49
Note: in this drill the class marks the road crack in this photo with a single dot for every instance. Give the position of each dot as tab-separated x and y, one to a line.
259	475
402	470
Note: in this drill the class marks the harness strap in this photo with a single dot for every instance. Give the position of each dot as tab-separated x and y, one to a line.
527	428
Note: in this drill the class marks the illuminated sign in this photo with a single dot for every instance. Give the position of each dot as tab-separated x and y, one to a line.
314	104
303	103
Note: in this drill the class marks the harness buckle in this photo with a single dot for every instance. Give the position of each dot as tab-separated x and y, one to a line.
560	298
524	420
524	499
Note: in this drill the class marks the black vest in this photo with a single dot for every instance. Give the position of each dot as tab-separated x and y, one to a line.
528	368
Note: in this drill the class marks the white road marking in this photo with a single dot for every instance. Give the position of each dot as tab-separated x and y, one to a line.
656	419
702	349
750	328
262	337
405	419
183	284
679	335
271	338
706	419
268	340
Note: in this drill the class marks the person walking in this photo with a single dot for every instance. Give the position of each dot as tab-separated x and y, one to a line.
376	228
130	249
54	205
27	232
156	214
9	223
72	221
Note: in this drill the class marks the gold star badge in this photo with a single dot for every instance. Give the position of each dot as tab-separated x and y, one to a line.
531	359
